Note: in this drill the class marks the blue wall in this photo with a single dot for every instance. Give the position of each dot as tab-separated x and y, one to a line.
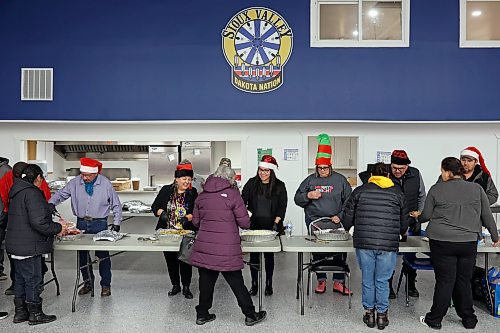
149	59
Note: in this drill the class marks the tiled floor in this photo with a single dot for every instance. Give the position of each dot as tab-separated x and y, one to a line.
139	302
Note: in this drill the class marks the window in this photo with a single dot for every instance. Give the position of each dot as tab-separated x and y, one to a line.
479	23
360	23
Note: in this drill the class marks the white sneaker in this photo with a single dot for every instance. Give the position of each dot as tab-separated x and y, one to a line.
422	321
3	315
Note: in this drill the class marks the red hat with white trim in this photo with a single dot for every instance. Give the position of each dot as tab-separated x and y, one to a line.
90	165
475	154
268	162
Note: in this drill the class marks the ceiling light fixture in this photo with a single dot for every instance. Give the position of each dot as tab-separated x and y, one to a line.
476	13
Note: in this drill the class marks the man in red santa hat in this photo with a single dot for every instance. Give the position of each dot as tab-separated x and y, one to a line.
477	172
92	197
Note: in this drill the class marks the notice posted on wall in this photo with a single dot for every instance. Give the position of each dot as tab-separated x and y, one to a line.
384	157
261	152
291	154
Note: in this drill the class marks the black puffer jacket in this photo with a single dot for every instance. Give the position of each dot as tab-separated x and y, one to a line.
379	215
30	230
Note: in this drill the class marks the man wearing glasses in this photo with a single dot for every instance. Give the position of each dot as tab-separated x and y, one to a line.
412	184
322	194
92	197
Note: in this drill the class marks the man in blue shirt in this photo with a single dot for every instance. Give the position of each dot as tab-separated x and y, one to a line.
92	197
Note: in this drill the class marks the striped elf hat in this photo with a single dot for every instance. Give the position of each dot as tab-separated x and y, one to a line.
324	155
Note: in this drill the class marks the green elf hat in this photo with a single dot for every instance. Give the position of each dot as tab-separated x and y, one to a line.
324	155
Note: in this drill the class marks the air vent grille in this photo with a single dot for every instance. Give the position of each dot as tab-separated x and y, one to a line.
36	84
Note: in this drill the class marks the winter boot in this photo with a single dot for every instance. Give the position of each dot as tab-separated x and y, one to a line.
36	315
21	311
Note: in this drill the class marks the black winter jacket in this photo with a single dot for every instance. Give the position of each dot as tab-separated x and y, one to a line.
379	216
279	200
162	199
30	231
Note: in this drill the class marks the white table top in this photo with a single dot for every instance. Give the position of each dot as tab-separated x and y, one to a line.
129	214
413	244
130	243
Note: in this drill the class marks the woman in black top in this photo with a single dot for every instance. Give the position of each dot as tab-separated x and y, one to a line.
265	197
174	207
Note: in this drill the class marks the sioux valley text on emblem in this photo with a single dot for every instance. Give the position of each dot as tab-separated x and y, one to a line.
261	14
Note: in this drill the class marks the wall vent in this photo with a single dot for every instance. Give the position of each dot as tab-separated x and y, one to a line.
37	84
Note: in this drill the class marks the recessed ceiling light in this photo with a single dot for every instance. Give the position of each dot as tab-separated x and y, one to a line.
373	13
476	13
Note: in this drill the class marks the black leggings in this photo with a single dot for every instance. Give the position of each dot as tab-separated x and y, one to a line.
255	260
175	266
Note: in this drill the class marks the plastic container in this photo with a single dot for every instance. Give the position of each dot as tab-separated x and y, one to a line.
288	230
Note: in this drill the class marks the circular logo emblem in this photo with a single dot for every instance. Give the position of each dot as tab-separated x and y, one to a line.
180	212
257	43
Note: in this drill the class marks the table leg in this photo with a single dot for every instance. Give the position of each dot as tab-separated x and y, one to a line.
301	281
89	268
77	282
299	270
487	284
53	269
260	286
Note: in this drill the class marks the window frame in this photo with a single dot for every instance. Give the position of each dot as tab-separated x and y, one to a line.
315	24
463	42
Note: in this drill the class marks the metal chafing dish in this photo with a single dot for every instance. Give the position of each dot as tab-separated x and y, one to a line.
258	235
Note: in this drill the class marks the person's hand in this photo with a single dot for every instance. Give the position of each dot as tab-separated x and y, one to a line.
164	216
415	214
114	227
64	230
496	244
313	195
189	217
335	219
52	208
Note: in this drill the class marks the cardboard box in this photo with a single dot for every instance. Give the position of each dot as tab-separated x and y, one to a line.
121	185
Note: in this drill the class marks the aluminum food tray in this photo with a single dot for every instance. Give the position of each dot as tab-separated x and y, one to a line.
69	237
170	237
332	236
259	238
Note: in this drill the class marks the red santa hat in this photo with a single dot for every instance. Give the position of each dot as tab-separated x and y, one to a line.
184	170
90	165
268	162
475	154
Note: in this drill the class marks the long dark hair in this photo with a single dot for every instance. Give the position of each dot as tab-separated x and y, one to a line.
31	172
261	189
453	165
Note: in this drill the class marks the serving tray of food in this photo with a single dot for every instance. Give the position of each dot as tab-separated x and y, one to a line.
172	234
258	235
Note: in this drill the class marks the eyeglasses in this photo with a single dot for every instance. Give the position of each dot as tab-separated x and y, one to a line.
265	170
323	168
401	169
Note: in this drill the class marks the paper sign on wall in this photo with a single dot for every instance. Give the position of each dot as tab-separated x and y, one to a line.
291	154
384	156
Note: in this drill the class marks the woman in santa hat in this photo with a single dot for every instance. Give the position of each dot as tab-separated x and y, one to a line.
174	208
265	197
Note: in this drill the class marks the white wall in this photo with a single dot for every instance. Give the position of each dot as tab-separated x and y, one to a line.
426	143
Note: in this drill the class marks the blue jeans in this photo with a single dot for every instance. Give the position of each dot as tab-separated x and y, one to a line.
28	279
376	268
93	227
338	260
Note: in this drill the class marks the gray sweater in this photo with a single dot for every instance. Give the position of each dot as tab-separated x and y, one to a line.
335	189
456	210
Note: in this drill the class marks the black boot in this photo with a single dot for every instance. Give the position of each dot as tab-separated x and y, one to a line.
186	292
269	288
21	309
255	318
254	290
175	290
369	318
382	320
36	315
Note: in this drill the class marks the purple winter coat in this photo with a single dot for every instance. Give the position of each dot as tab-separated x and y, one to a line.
218	211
